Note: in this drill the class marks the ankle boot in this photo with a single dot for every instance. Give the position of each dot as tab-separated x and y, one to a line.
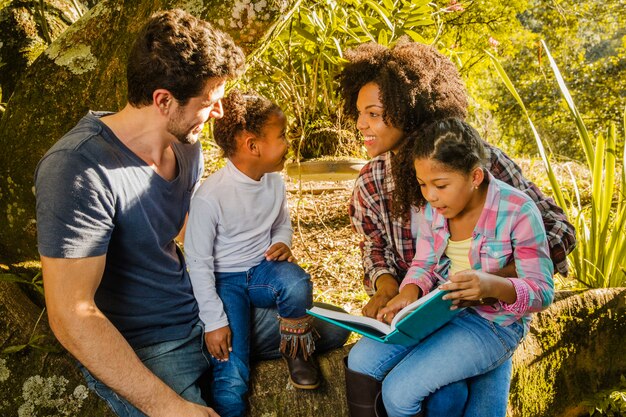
363	394
297	343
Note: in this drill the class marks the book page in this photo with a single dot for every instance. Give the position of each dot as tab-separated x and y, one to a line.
349	318
413	306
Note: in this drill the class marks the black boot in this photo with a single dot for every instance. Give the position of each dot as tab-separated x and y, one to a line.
297	344
363	394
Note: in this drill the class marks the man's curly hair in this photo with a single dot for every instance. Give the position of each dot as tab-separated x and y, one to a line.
180	53
417	83
451	142
247	112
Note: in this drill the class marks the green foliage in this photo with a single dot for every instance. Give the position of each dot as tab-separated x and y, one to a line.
36	281
33	341
298	67
610	403
588	39
599	259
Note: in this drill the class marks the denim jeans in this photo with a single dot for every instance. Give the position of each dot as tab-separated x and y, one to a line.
484	395
464	348
179	363
271	283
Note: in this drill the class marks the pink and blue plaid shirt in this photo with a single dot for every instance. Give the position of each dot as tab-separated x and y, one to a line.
510	228
388	244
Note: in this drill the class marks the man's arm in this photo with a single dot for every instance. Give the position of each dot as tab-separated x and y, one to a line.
70	286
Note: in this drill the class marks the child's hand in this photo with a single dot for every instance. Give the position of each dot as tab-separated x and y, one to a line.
407	295
468	287
280	252
218	342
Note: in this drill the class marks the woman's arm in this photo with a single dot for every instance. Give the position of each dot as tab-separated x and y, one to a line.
561	235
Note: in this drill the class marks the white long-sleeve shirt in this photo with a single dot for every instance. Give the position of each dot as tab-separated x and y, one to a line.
233	220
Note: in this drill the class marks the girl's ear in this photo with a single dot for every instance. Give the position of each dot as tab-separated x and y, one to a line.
250	143
478	176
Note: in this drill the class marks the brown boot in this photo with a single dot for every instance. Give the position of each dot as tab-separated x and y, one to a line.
297	343
363	394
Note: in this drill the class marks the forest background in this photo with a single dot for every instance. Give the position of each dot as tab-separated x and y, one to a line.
564	126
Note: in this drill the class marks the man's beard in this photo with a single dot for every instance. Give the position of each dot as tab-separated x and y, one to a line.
184	134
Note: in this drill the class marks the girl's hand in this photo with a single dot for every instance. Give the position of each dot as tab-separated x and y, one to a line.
469	287
218	342
409	293
280	252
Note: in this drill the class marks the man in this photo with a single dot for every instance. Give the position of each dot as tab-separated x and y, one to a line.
112	195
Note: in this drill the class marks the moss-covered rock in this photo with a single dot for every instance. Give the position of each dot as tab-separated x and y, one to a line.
575	348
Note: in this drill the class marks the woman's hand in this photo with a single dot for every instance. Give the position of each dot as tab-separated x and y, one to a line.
409	293
218	343
386	289
280	252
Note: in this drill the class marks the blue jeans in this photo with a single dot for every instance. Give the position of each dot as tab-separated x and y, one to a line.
183	364
484	395
179	363
271	283
466	347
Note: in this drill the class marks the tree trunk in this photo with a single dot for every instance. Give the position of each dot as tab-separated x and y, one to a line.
83	69
25	35
33	380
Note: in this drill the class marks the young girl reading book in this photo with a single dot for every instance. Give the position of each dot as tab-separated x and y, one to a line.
237	247
473	224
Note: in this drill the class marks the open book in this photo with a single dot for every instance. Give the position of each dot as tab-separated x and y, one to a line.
413	323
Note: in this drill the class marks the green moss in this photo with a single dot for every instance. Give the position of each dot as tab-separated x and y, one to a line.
49	394
78	59
5	372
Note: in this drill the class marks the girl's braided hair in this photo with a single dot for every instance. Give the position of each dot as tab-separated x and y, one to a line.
451	142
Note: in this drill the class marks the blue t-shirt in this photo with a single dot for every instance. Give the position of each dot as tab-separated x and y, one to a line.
96	197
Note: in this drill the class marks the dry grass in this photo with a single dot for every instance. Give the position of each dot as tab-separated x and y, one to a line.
324	242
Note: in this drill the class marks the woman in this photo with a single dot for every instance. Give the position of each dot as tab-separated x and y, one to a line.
390	93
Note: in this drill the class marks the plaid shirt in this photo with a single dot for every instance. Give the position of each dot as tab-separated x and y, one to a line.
388	246
508	229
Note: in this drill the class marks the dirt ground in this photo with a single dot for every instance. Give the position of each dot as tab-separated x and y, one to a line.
324	243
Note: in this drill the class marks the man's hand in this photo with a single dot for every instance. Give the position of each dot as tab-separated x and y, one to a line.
386	289
218	343
280	252
409	293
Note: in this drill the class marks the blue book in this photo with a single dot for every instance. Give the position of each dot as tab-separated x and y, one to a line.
412	324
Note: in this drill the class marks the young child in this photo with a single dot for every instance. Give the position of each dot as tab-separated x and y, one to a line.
473	224
237	247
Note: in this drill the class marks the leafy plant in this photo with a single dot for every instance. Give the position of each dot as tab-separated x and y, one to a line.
298	66
33	341
599	259
36	281
611	403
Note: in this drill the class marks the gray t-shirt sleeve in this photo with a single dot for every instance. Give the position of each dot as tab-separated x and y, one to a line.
75	207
